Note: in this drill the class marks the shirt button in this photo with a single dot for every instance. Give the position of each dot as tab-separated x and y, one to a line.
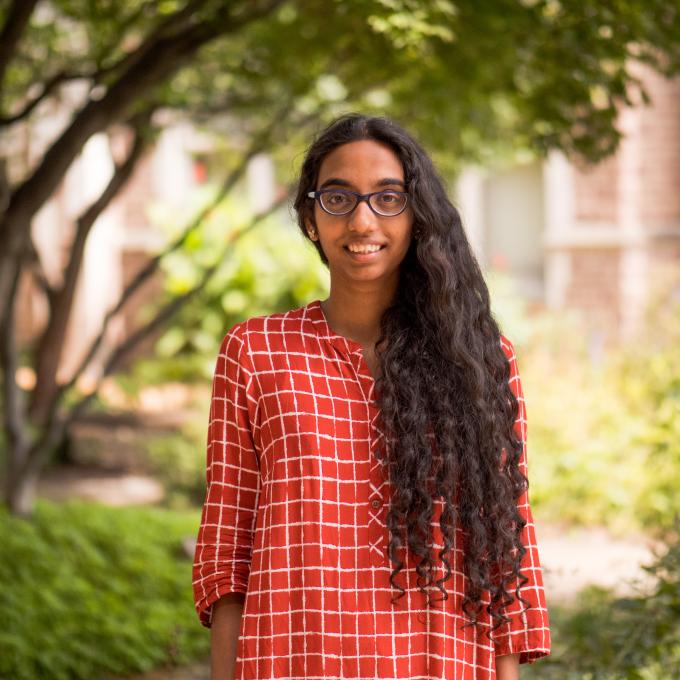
376	503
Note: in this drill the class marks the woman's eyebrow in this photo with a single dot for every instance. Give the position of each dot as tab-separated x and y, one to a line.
336	181
390	180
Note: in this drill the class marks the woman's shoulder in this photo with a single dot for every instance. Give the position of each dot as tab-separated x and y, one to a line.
510	354
263	331
507	346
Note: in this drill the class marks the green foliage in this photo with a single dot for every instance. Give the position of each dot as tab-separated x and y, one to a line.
473	78
650	387
268	269
604	637
603	429
178	462
89	590
469	78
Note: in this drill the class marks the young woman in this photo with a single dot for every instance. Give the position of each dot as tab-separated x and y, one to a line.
367	452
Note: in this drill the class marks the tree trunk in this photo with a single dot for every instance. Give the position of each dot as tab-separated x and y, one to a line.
153	68
50	345
18	16
20	489
21	497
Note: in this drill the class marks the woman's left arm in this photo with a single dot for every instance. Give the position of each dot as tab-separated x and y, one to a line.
527	631
507	667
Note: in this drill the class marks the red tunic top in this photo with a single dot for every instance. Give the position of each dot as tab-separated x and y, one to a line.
294	517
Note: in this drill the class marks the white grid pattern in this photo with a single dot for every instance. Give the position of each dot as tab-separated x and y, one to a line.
288	520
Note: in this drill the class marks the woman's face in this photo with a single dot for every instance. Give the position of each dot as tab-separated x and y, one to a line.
363	166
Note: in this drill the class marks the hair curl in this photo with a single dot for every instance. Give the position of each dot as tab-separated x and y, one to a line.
446	406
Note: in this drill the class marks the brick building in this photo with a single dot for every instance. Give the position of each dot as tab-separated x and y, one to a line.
585	238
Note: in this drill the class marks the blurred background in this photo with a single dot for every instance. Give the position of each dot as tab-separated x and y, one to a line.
147	156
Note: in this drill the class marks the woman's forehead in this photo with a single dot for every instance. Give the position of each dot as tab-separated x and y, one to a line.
365	160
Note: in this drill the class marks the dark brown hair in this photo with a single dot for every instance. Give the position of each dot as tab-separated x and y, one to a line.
446	406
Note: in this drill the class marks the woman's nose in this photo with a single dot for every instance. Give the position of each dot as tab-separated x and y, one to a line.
362	217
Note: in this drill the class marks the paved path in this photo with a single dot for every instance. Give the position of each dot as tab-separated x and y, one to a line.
195	672
573	558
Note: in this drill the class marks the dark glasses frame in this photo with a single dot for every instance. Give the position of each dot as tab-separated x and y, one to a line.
360	197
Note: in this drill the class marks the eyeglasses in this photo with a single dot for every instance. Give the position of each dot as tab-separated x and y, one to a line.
388	203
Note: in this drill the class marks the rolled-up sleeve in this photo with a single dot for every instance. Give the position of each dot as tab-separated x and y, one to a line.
223	552
528	632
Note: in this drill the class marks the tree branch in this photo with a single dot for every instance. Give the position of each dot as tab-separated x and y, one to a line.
35	265
168	28
47	88
4	185
14	416
152	64
135	82
17	19
168	311
48	353
56	426
148	269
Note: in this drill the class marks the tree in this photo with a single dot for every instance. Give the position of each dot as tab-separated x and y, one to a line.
468	77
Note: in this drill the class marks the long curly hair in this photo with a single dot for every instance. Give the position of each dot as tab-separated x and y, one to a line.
446	407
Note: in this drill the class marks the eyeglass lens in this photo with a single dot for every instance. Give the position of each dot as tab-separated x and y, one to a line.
384	202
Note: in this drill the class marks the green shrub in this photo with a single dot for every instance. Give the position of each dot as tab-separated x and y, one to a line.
89	590
266	270
619	638
604	434
178	462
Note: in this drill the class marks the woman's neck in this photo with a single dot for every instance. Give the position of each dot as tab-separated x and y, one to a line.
356	316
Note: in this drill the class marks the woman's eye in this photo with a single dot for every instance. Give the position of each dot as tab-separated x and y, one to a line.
388	198
336	199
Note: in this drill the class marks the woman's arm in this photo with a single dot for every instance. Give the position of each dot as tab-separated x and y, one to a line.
226	624
507	667
224	544
527	631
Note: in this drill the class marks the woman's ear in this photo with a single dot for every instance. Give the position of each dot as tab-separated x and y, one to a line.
311	229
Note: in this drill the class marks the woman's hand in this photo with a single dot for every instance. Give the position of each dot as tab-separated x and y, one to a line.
507	667
226	623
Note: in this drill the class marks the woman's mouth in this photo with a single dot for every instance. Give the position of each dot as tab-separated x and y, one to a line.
365	254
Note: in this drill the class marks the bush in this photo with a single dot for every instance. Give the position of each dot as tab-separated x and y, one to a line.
604	433
178	461
624	638
266	270
89	590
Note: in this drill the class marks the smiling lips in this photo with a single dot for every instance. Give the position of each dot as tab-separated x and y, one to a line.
365	247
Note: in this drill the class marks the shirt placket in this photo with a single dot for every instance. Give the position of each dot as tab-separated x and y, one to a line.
377	481
377	484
